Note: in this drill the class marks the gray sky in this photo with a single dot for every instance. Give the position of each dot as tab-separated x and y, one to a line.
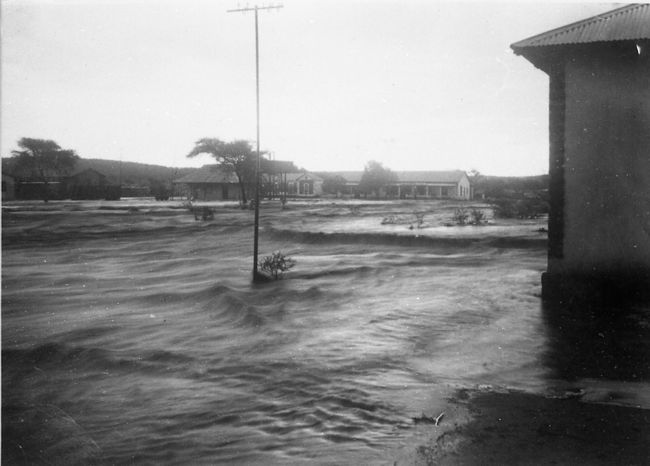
418	85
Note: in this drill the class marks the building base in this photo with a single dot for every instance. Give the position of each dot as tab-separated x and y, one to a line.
610	289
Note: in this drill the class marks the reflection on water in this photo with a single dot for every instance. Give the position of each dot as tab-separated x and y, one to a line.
598	341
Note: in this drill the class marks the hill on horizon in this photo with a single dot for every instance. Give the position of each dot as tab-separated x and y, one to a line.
120	172
142	174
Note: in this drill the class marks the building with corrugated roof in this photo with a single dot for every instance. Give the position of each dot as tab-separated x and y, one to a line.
599	112
90	184
452	184
279	178
304	184
210	183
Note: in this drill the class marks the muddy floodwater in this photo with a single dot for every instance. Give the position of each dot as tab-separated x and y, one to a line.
137	328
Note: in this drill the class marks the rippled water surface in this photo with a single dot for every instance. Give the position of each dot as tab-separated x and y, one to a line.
142	326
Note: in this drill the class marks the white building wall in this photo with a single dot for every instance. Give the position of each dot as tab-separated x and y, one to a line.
464	188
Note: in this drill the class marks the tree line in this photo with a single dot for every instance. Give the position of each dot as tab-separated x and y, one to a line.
43	160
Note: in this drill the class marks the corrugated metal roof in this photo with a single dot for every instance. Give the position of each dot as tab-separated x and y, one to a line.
631	22
453	176
216	174
87	170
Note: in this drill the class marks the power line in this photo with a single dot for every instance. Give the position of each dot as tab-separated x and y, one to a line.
256	275
255	8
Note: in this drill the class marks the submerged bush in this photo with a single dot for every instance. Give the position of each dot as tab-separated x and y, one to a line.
520	208
199	212
460	216
276	264
478	217
419	218
390	220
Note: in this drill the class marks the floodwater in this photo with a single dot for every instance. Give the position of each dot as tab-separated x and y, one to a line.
140	326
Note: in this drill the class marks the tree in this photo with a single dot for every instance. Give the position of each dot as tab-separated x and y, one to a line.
43	160
476	179
375	177
333	184
237	157
159	189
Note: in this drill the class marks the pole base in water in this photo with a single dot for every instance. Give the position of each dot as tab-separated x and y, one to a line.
261	277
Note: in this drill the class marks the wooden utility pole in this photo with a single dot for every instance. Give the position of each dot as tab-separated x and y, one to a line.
256	275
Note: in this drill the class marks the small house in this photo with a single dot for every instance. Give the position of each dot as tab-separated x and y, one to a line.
90	184
304	184
278	178
431	184
211	183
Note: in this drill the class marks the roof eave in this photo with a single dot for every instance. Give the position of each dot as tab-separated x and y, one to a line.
550	37
546	57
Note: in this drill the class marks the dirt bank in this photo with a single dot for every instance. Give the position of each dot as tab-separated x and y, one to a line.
515	428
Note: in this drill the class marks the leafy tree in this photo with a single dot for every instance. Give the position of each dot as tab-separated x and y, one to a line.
476	180
159	189
474	174
375	177
334	184
237	156
43	160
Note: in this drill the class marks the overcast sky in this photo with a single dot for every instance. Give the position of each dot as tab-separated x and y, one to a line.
417	85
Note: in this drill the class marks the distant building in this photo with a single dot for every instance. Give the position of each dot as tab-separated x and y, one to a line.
8	187
210	183
87	177
282	178
599	223
38	190
452	184
304	184
90	184
214	183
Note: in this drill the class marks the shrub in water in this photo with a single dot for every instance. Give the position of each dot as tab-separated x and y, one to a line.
520	208
460	216
276	264
478	217
200	213
419	218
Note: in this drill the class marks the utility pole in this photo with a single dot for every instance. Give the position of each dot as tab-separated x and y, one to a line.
256	275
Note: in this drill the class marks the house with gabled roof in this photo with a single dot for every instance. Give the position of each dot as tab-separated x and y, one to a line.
304	184
279	178
90	184
209	183
599	153
87	177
